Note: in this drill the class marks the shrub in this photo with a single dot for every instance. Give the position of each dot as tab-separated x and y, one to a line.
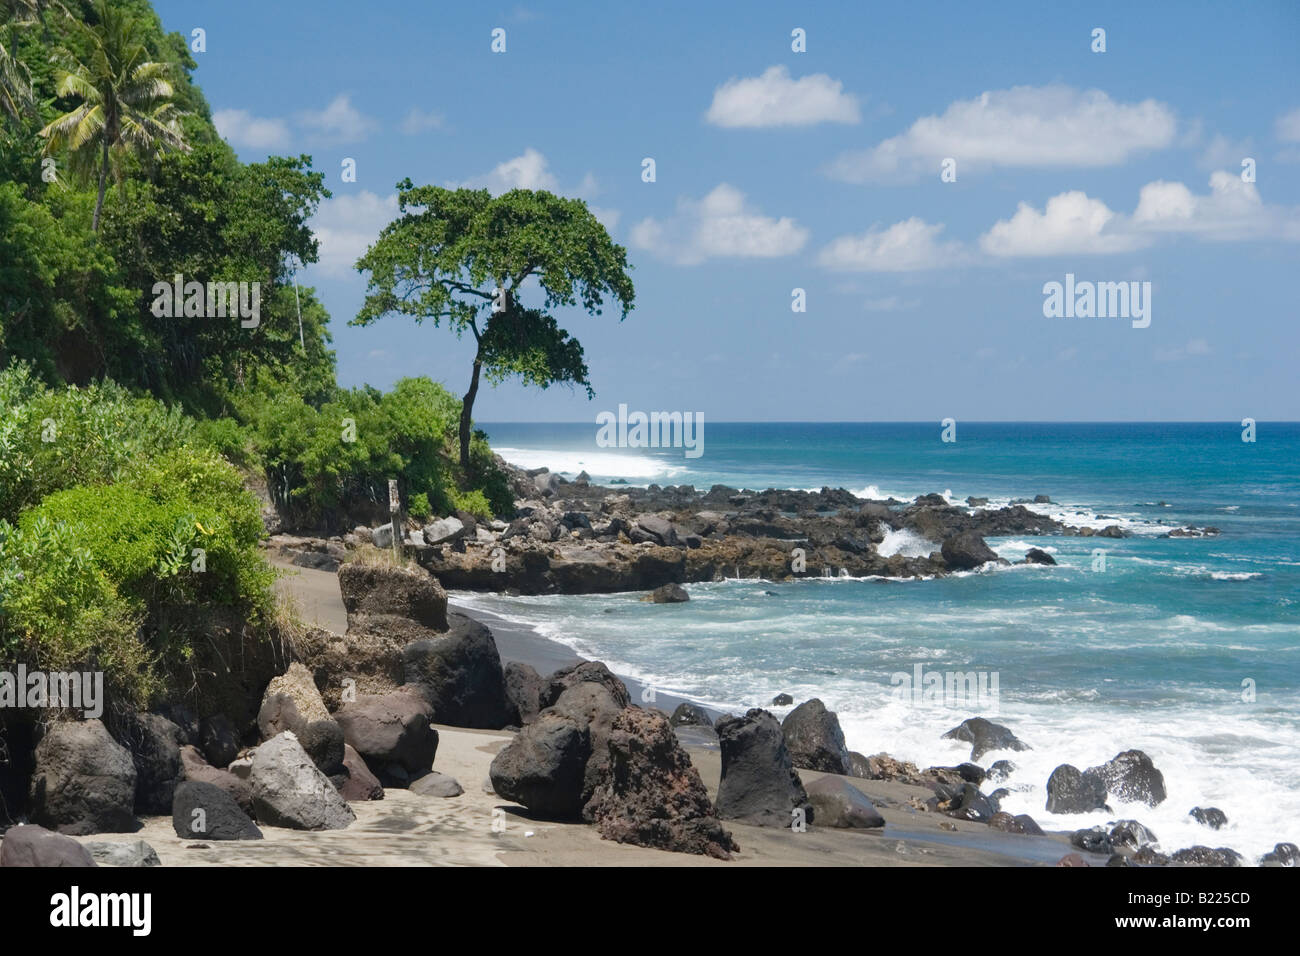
55	439
60	612
419	506
474	502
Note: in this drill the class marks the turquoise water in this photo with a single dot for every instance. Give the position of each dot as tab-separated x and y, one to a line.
1187	648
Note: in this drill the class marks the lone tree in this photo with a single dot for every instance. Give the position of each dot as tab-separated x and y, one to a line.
463	255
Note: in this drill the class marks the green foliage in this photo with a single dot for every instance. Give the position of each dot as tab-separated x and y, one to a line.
419	506
462	255
51	439
475	502
59	612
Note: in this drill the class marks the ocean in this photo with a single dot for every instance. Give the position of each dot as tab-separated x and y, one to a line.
1186	648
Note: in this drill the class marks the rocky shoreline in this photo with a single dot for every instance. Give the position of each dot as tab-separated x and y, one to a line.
574	537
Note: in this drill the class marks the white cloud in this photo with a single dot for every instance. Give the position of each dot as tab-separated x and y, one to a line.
421	121
241	128
347	225
721	225
1287	127
774	99
1222	152
528	170
339	122
1049	126
905	246
1071	223
1232	210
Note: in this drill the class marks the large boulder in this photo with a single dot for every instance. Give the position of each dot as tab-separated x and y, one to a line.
966	551
218	740
154	743
759	785
410	593
291	702
204	811
33	845
1132	777
1071	790
690	715
669	593
814	738
323	740
983	735
544	765
445	531
652	795
594	707
459	674
198	770
84	781
358	783
523	686
837	803
584	672
288	790
393	733
654	529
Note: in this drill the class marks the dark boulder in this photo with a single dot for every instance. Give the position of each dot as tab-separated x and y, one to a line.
970	804
523	686
204	811
967	551
1212	817
218	740
1207	856
652	795
1038	556
668	594
1283	854
33	845
584	672
393	734
759	785
543	767
593	706
1020	823
1132	777
983	735
408	593
84	781
782	700
1129	836
358	783
323	740
198	770
459	674
1070	790
154	743
814	738
690	715
837	803
1093	840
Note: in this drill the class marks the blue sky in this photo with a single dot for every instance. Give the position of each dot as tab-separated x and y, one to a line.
820	170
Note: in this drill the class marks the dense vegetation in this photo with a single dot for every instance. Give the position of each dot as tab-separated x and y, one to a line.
129	436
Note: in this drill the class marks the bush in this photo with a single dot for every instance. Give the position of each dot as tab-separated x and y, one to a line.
51	440
419	506
474	502
60	612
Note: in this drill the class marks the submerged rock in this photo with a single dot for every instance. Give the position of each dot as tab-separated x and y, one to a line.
983	735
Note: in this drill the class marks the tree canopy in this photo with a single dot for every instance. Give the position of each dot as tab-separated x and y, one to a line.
469	258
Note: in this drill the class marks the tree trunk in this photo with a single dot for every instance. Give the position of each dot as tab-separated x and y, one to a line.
467	413
103	181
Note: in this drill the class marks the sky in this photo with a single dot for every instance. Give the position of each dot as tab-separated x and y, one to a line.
1171	157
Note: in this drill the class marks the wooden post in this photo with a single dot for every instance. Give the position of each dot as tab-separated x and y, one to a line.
395	516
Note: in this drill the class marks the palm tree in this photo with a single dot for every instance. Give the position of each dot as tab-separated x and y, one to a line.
126	101
16	98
